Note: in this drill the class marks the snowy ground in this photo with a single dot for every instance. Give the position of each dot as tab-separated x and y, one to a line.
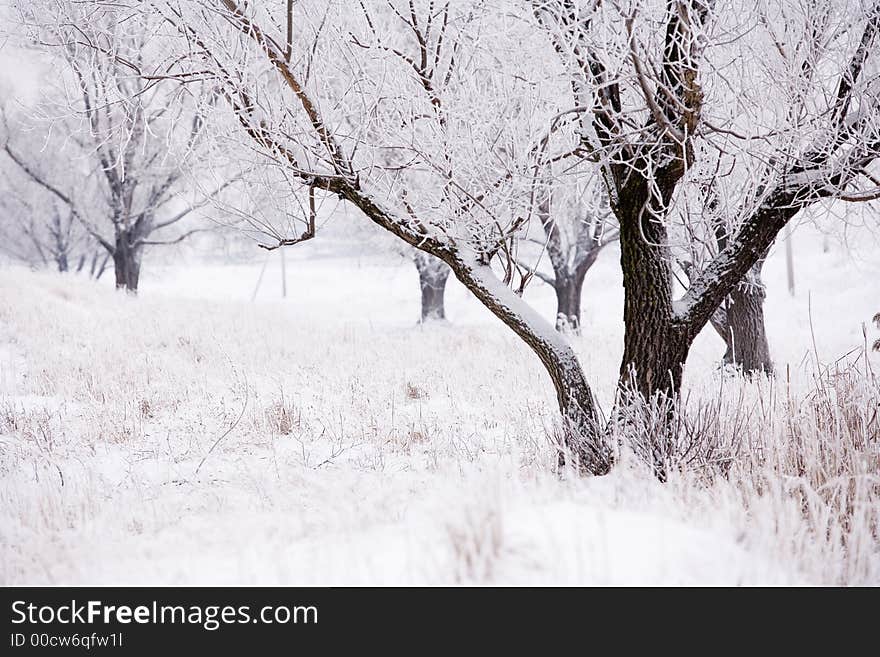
368	450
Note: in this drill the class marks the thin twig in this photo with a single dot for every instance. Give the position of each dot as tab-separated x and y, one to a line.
227	432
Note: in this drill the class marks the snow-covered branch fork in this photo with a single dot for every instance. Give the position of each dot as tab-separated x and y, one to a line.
651	136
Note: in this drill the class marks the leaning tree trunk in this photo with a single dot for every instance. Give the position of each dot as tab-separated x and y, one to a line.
127	264
740	323
582	443
433	274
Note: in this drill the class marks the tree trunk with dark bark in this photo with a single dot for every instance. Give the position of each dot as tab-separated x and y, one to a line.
433	274
127	264
568	285
740	323
655	344
568	303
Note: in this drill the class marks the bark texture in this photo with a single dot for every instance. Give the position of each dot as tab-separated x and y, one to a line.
656	342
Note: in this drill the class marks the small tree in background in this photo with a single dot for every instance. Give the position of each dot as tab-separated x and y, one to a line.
112	142
739	320
577	224
433	274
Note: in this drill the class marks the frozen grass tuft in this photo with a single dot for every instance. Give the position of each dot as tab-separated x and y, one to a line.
801	463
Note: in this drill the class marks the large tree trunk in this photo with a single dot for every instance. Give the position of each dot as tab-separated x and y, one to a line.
582	443
655	345
740	323
433	274
127	264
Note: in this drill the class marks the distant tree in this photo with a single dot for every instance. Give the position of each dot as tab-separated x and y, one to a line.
577	224
112	143
739	320
36	229
41	238
433	274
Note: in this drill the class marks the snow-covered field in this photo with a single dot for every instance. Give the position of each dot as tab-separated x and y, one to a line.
192	436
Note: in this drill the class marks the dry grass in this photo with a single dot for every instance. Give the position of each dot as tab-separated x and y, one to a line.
808	453
347	467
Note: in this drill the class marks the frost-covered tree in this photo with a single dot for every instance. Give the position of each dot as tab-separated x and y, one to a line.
47	238
784	93
37	236
351	118
111	142
656	87
35	227
576	225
